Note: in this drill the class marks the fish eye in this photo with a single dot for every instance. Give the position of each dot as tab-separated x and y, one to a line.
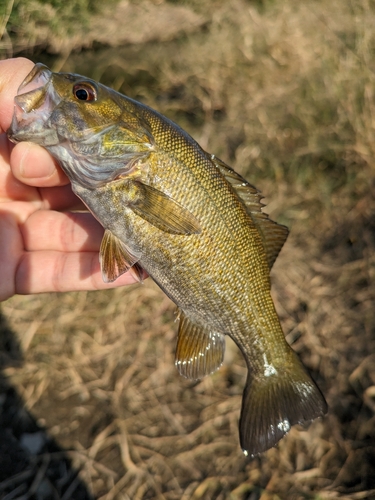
84	92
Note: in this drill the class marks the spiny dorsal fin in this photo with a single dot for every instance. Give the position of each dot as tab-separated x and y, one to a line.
199	351
116	258
273	234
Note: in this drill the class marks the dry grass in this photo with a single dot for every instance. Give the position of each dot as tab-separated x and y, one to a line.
284	93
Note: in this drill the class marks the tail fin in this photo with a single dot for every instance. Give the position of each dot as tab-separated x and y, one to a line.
272	404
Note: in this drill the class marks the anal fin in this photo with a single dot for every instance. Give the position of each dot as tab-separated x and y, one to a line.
116	259
200	351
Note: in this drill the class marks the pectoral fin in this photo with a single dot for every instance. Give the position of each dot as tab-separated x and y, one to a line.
162	211
116	258
199	351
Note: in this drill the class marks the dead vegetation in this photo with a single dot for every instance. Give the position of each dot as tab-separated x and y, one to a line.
284	92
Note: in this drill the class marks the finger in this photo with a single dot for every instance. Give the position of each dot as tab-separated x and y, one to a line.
50	271
64	232
12	74
11	249
60	198
10	187
34	166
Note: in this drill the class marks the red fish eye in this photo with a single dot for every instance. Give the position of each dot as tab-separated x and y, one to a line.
84	92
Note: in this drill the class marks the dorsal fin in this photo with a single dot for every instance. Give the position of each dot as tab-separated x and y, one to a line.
199	350
273	234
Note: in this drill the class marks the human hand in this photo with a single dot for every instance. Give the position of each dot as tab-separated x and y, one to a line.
44	246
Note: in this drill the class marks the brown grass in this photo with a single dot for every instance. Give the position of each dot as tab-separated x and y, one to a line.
284	93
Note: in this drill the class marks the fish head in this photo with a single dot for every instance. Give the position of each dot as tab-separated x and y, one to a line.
88	127
52	107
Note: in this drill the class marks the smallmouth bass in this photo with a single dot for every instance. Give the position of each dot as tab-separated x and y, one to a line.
190	221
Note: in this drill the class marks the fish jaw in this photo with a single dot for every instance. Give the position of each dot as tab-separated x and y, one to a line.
35	101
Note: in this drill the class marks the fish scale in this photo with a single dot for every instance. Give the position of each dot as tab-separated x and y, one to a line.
191	222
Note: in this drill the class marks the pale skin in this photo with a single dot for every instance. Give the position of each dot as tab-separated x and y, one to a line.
44	247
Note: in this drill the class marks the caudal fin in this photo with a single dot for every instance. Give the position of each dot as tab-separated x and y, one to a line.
272	404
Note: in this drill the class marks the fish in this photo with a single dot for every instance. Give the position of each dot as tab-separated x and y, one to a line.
191	222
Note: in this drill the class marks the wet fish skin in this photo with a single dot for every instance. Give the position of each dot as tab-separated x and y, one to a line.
191	222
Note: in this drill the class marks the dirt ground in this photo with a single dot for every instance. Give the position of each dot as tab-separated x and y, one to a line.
91	403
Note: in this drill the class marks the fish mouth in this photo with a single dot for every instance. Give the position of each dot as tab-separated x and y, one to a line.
33	105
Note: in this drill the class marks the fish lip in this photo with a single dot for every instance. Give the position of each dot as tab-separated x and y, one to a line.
38	77
33	106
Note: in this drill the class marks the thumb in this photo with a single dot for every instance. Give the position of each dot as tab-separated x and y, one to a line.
12	74
33	165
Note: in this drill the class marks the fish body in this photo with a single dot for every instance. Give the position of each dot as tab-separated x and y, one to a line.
191	222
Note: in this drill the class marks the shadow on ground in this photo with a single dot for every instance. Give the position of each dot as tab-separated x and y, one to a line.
32	465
